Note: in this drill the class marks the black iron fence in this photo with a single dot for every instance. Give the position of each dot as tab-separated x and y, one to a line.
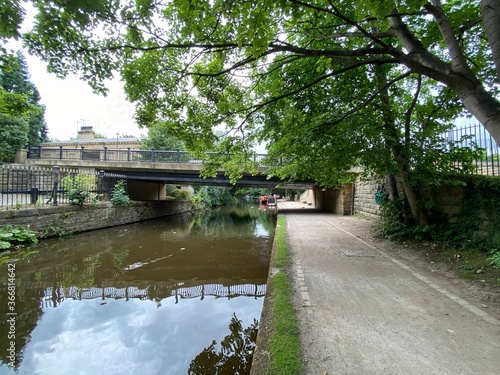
475	136
23	186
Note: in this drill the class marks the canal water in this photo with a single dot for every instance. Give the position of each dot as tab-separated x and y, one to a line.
180	295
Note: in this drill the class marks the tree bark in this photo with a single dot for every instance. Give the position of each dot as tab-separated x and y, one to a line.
392	139
456	74
490	10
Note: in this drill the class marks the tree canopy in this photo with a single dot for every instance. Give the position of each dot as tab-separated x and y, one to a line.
21	115
328	84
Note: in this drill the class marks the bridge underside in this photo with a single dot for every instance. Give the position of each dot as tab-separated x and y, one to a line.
173	178
172	173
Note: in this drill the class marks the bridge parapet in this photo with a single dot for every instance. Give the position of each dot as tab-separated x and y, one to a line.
155	166
129	155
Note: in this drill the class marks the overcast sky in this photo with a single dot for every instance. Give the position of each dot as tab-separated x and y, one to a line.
70	104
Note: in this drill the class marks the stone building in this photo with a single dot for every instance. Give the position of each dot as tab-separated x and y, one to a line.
86	138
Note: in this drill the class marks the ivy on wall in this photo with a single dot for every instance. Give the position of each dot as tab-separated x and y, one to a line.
477	225
480	212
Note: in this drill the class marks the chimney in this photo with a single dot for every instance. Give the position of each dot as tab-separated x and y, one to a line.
86	132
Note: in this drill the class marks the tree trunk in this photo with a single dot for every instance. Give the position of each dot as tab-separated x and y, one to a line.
412	196
456	75
397	147
482	106
490	10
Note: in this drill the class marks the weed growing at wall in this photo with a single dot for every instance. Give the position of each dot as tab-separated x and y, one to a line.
80	188
119	196
55	230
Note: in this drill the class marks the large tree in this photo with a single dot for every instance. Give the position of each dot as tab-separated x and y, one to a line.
21	116
207	44
327	83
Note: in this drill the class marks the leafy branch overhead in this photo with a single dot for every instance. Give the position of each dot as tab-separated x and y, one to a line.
299	75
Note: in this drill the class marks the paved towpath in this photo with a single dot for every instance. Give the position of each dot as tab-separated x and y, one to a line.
362	310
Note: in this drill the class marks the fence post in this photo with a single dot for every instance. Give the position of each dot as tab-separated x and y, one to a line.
128	153
34	195
55	170
178	156
81	154
100	182
60	152
152	155
105	153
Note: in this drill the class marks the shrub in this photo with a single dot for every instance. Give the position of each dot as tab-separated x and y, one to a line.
79	188
119	196
396	222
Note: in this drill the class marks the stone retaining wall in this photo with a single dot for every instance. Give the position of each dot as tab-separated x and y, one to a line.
364	197
89	217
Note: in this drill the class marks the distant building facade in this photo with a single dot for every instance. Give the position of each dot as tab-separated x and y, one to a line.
85	146
86	138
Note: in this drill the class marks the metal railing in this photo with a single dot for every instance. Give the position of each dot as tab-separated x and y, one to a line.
121	155
475	136
23	186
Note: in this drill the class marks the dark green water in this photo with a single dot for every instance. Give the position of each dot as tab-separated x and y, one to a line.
173	296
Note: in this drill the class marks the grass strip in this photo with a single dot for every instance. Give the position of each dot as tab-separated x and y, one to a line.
284	344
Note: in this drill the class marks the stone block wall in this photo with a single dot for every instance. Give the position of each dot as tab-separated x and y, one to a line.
85	218
447	201
364	197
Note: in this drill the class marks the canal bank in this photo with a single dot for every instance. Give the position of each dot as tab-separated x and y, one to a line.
75	218
366	306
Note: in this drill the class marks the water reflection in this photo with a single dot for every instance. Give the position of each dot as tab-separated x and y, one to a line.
147	298
235	355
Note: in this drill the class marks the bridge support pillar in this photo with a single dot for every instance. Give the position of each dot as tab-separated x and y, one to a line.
337	201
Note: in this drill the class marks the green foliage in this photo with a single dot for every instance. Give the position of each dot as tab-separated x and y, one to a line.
119	196
11	16
80	188
495	258
475	227
11	236
21	116
396	222
55	230
160	138
178	193
197	201
214	196
195	68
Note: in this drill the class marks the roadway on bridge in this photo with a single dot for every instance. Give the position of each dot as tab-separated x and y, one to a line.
366	306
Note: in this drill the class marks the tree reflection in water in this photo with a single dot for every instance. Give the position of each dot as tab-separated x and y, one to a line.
235	355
